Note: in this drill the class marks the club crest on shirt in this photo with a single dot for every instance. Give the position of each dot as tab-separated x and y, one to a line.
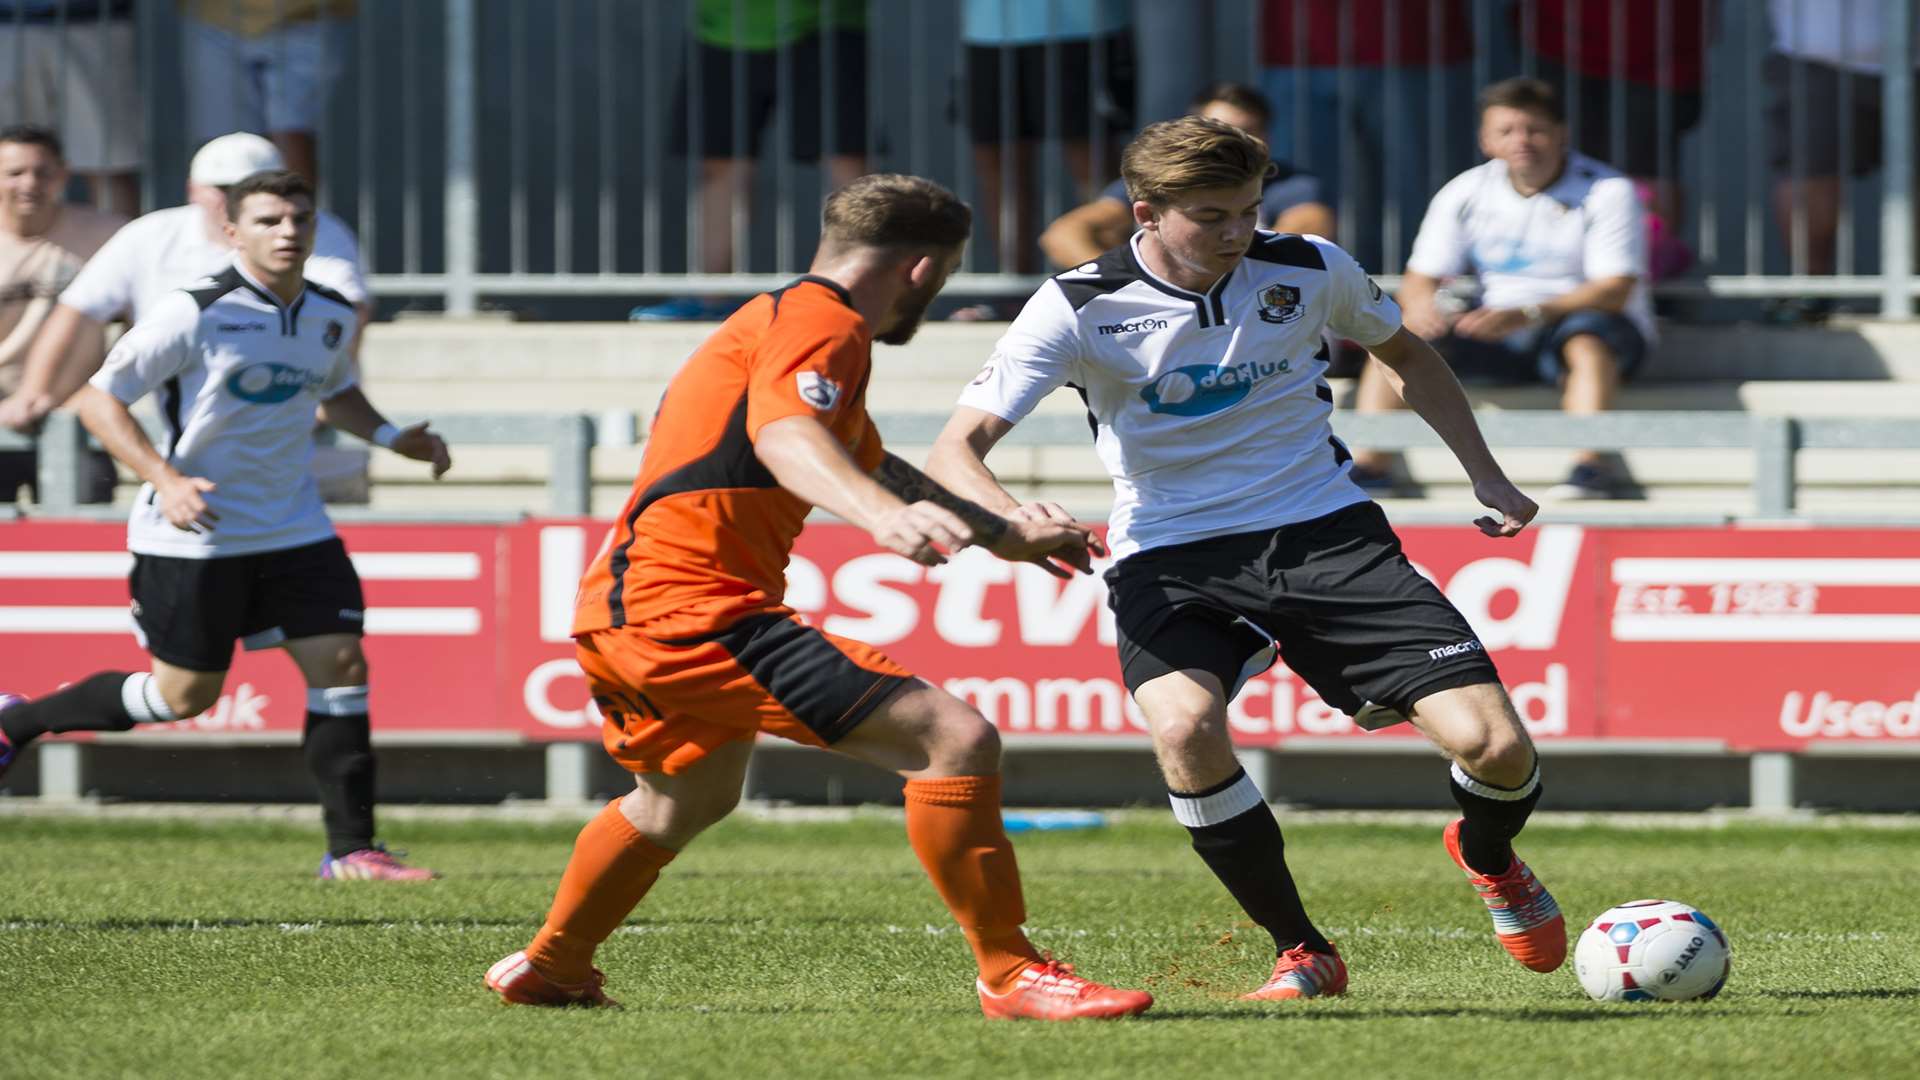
817	390
331	338
1280	304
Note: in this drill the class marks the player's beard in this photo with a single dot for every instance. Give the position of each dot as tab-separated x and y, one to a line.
911	309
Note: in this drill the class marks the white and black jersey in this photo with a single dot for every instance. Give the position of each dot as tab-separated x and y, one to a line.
238	374
1210	411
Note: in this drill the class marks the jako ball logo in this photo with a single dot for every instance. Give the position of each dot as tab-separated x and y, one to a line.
269	384
1199	389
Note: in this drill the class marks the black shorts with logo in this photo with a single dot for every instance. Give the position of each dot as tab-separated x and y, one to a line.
189	612
1350	615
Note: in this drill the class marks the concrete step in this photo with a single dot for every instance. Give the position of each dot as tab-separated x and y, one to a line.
468	356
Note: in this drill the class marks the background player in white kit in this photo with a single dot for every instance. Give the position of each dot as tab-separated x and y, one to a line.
1198	347
158	253
230	540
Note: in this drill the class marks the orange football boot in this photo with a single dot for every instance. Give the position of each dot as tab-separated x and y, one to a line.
1525	917
1046	990
518	982
1302	974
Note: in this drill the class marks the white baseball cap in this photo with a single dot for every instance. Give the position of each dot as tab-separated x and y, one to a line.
230	159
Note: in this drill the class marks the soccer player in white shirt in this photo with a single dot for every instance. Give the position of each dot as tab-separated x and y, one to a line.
158	253
229	537
1558	241
1198	347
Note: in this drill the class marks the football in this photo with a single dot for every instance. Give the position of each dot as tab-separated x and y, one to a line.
1652	950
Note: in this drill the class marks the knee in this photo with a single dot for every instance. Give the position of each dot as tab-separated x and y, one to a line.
1185	731
1589	354
967	745
189	701
1501	756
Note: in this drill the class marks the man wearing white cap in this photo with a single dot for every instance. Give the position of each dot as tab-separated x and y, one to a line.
157	253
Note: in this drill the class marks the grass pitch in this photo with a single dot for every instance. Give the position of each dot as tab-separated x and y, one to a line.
179	949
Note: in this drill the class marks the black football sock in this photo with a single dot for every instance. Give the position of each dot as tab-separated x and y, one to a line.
339	751
1235	834
108	701
1494	816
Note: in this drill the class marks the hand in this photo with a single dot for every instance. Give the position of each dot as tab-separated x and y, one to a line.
1491	324
1050	511
1515	509
183	502
1425	321
924	532
24	411
1059	548
416	442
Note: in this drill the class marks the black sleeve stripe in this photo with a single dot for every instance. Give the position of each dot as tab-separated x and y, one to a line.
208	290
336	297
1286	249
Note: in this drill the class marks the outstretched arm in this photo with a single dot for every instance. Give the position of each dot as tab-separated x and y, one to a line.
1056	545
351	412
1430	389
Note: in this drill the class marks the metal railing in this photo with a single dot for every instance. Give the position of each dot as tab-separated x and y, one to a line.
569	439
503	148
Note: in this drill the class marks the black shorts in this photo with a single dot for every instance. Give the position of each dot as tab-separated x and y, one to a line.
189	612
21	469
1349	614
1593	122
1831	104
1030	83
761	86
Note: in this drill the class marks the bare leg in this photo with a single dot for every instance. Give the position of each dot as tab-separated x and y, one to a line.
1822	197
1593	381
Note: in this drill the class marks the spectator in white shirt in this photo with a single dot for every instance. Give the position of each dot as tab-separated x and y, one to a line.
1558	244
156	254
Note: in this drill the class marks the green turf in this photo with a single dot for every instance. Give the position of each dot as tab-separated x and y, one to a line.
142	948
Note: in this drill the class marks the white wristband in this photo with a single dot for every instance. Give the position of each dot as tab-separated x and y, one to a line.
384	435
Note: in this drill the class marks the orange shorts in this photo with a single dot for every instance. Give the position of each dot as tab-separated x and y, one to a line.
667	704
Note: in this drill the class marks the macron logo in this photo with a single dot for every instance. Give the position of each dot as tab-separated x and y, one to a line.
1445	651
1135	327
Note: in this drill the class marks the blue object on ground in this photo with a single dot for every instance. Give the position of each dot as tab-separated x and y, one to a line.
1051	820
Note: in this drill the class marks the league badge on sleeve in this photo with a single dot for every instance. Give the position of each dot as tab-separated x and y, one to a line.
331	339
817	390
1280	304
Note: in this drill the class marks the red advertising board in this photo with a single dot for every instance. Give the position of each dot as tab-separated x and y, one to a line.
1756	638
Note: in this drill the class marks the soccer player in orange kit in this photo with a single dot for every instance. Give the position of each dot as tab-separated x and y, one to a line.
690	651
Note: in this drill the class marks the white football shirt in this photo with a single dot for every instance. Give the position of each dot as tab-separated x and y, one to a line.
1528	249
238	374
1210	411
156	253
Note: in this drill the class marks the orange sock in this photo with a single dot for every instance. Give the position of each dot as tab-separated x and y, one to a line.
954	826
612	867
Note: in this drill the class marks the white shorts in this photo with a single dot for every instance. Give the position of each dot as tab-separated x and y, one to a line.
272	83
81	81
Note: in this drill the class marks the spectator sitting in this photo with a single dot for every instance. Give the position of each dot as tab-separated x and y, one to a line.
1559	245
1290	201
1659	61
43	244
156	254
264	66
69	65
825	42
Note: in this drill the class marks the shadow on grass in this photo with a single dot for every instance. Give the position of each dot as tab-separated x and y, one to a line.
1314	1015
1881	993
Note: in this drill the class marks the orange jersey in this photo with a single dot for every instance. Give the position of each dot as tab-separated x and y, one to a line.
705	535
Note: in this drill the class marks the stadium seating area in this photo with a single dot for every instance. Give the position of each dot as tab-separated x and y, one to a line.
1859	371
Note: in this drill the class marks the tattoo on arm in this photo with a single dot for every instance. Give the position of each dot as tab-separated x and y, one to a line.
912	485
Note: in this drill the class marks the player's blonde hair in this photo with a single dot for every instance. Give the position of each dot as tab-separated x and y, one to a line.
1190	153
895	210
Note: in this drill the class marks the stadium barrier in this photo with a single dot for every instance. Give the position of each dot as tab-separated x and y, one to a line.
1766	640
556	174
